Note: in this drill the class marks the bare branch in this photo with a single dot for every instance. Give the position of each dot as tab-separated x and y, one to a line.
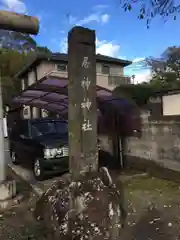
148	9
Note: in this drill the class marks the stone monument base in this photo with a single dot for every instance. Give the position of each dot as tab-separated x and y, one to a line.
8	194
7	190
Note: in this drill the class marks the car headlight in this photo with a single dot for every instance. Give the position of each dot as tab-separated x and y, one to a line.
53	152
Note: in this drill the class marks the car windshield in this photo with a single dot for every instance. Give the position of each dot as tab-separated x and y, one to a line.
48	127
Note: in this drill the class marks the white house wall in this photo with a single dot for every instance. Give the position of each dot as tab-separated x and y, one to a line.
116	70
31	78
171	105
44	68
22	84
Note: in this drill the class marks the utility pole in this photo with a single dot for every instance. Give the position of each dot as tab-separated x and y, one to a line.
25	24
133	79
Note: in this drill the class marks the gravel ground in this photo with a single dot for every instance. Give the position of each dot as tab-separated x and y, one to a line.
18	223
153	209
153	212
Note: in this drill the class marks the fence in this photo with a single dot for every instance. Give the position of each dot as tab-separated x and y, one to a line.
159	144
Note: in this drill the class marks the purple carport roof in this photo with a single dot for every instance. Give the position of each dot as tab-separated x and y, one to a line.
51	93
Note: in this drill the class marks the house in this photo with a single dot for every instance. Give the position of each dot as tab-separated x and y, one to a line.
110	73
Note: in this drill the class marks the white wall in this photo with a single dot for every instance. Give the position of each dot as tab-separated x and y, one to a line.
116	70
44	68
26	112
31	78
22	84
171	105
5	127
44	113
103	79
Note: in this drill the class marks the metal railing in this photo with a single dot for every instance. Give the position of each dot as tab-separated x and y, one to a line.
114	80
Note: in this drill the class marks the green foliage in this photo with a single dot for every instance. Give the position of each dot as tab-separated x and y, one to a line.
16	49
166	69
42	49
136	93
166	76
11	61
139	94
17	41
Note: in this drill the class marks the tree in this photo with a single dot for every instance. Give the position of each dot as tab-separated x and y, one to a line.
165	75
15	50
17	41
10	62
166	69
148	9
138	94
42	49
20	42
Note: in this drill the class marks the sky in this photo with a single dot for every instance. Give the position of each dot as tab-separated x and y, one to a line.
118	34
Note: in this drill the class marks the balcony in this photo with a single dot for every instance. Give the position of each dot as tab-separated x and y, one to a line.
118	80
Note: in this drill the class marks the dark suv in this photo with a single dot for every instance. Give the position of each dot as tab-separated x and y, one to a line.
40	144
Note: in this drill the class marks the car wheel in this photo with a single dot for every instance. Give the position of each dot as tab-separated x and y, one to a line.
38	170
14	158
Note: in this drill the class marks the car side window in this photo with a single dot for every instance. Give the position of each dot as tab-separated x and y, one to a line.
35	132
14	133
24	129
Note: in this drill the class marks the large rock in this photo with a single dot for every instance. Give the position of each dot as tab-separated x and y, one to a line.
91	206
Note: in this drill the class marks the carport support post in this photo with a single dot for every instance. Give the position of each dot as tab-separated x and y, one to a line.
2	155
82	110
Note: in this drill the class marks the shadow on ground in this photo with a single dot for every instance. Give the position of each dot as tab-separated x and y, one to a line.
152	209
150	226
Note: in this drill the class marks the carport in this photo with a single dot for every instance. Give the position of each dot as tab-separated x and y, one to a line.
117	117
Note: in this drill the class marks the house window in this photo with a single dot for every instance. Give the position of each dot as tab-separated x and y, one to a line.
105	69
61	67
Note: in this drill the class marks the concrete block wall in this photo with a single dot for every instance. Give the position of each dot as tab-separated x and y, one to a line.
159	143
